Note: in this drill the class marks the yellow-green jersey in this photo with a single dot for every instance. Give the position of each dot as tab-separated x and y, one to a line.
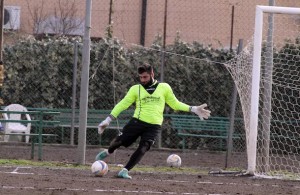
149	108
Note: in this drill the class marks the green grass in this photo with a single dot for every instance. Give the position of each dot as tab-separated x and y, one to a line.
180	170
39	163
147	169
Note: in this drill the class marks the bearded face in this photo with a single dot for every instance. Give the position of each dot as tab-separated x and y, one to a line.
146	79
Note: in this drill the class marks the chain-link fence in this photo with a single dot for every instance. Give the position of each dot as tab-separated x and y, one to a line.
113	70
187	42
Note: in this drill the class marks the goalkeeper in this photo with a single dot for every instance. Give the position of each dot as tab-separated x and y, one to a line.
149	98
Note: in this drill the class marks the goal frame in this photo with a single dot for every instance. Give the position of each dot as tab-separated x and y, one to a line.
255	83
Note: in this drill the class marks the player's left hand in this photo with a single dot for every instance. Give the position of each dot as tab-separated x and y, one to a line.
201	112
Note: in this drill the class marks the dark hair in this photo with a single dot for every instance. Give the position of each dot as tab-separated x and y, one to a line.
145	68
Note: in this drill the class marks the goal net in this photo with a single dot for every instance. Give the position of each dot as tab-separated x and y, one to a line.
267	76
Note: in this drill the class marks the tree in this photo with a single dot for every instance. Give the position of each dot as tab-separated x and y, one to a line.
63	20
38	16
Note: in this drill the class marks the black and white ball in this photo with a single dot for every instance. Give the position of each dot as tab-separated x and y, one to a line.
174	160
99	168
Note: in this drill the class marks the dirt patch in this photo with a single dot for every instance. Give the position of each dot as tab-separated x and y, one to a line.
43	180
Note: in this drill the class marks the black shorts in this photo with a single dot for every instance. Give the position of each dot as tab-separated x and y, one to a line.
135	129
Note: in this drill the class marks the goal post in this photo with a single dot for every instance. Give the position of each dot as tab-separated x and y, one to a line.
262	114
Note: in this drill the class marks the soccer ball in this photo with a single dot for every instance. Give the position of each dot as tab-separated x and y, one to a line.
174	160
99	168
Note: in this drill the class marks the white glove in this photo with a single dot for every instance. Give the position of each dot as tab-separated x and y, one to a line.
201	112
103	125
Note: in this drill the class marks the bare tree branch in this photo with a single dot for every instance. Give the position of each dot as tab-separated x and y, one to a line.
63	19
38	16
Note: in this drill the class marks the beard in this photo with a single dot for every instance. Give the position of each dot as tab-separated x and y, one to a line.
148	84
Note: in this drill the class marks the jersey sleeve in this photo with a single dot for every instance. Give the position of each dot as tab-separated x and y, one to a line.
173	102
127	101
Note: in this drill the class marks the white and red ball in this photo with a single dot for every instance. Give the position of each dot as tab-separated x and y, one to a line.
99	168
174	160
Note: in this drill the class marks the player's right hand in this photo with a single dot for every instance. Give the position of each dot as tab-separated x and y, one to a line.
103	125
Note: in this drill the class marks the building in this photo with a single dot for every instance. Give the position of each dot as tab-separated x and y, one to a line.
217	22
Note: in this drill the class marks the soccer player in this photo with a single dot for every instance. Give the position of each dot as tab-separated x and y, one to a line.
149	98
